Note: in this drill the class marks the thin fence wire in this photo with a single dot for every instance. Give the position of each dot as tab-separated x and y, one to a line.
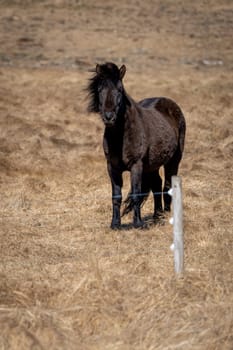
29	214
143	194
71	205
99	195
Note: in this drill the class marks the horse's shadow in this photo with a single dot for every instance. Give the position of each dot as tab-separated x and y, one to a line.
148	222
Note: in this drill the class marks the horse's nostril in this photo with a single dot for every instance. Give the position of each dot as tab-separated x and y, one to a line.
108	115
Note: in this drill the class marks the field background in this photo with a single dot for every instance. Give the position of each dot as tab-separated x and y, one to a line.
66	280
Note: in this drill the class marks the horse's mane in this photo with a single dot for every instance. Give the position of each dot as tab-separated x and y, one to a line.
107	71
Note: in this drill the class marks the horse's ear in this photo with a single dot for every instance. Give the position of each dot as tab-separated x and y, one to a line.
98	69
122	71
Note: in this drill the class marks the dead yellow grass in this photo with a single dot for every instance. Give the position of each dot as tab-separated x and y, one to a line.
67	280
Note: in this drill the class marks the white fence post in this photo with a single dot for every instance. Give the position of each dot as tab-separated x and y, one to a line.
177	204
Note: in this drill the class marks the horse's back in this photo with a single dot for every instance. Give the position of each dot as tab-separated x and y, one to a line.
164	105
149	102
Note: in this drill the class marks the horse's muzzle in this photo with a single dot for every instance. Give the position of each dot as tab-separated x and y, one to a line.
109	118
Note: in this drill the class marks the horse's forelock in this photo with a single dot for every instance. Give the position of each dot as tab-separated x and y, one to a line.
109	71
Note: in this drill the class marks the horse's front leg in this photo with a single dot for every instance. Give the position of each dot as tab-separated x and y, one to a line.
117	182
136	184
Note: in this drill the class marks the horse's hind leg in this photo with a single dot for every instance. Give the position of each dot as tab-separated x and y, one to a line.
156	187
171	168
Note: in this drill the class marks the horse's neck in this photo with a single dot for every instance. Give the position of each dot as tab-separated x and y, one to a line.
133	115
115	132
127	119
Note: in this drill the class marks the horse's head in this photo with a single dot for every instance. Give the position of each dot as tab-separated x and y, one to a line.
107	92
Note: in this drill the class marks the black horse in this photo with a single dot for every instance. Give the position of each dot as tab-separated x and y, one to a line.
140	138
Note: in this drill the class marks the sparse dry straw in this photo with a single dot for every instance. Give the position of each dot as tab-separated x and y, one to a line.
66	280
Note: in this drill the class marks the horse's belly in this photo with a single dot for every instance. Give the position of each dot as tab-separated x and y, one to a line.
158	156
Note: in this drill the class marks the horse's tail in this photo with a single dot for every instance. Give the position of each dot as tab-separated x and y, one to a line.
130	201
182	131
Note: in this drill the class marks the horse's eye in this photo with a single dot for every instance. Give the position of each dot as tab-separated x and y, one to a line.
119	97
100	100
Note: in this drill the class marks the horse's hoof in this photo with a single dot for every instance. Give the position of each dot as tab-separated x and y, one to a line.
167	208
141	225
115	226
159	218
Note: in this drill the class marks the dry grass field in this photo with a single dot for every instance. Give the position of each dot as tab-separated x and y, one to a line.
66	280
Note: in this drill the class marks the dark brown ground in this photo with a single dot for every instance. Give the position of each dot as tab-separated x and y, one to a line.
67	280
